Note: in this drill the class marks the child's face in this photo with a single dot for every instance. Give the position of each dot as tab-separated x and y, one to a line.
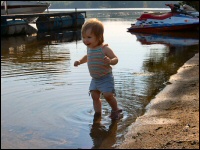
89	39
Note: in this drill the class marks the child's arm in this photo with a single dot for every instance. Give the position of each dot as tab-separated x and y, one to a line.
110	57
81	61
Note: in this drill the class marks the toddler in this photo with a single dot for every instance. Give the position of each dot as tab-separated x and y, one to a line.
99	59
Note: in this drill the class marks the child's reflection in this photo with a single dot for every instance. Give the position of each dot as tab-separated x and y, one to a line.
102	137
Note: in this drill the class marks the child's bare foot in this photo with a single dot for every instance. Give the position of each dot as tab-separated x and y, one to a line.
115	115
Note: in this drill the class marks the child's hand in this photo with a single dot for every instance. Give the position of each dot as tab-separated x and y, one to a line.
76	63
107	60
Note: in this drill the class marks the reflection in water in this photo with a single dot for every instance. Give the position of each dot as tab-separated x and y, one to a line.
159	66
22	48
60	36
28	45
101	136
169	38
36	52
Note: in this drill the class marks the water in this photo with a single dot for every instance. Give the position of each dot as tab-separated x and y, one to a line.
44	98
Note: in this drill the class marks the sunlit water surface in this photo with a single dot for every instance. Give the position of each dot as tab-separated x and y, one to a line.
44	98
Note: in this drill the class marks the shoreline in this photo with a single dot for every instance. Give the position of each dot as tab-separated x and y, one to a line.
171	119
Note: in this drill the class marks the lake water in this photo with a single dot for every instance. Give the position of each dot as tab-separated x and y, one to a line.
44	98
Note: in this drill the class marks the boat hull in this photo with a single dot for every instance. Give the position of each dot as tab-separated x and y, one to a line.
25	10
13	27
188	27
24	7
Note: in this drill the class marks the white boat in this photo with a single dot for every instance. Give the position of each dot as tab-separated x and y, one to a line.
23	7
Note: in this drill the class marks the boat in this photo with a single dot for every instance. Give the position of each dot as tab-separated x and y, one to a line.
13	27
175	20
16	27
23	7
190	10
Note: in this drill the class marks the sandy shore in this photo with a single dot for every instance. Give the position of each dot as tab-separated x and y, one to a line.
172	118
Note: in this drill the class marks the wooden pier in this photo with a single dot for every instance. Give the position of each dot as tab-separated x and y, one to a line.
44	22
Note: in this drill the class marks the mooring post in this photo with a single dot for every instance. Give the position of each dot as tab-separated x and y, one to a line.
6	8
76	18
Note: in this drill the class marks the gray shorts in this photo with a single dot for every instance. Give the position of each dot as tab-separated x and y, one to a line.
103	84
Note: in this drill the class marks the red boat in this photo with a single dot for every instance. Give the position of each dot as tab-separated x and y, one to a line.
174	20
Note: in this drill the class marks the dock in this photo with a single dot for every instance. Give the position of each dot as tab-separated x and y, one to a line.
16	23
21	16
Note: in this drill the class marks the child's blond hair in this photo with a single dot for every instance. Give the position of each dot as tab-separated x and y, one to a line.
96	27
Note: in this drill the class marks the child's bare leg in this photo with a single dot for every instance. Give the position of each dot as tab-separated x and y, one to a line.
111	100
116	112
96	101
